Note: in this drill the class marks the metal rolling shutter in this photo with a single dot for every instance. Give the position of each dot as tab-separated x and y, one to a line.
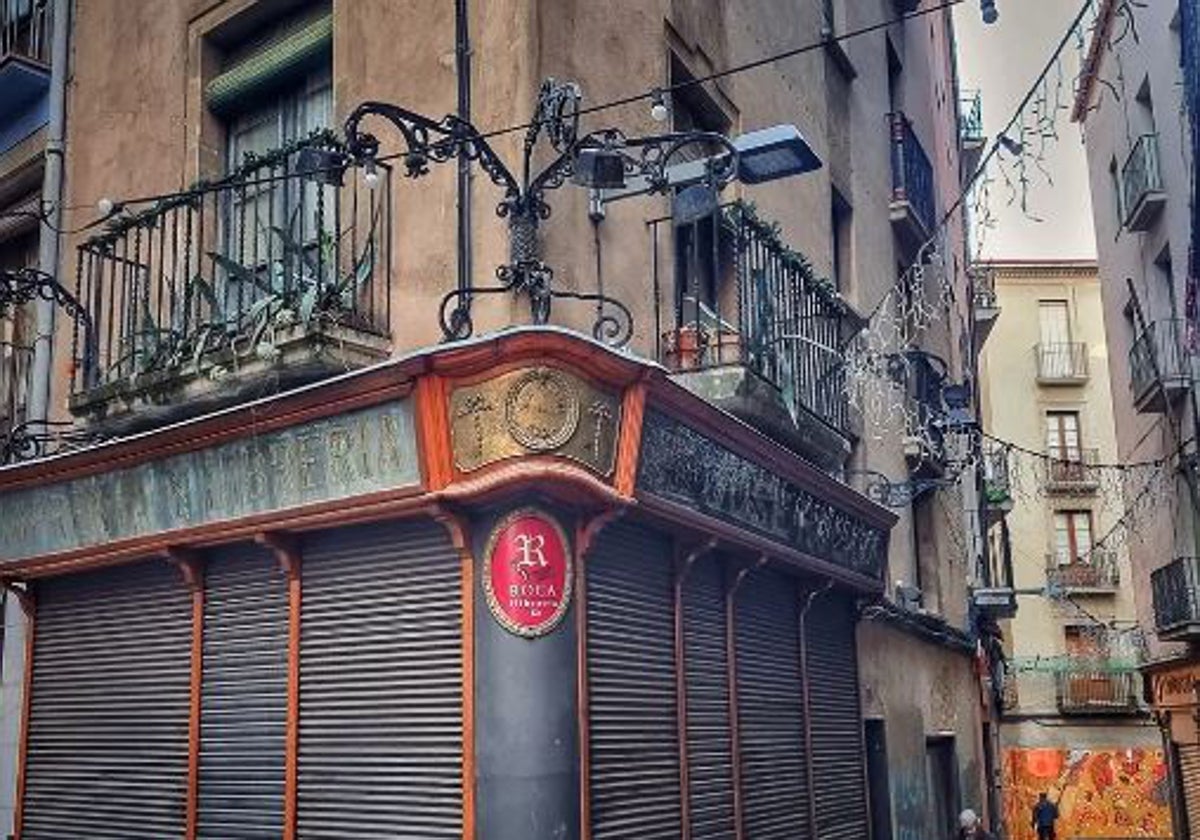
1189	784
381	684
244	698
631	686
710	754
838	773
770	708
108	727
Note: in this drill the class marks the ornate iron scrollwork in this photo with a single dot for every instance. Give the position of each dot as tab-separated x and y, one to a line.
39	439
524	205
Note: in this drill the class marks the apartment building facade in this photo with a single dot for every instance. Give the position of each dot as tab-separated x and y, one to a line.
312	466
1073	700
1138	106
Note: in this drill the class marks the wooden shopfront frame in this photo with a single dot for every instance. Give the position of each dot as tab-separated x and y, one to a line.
447	493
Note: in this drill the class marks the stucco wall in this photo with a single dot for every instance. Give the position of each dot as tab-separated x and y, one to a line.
1110	129
921	691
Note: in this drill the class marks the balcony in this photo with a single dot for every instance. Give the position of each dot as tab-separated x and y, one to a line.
1160	366
1176	590
970	129
1103	690
266	279
912	207
987	305
1096	573
1061	363
1143	194
25	29
1072	470
997	483
752	329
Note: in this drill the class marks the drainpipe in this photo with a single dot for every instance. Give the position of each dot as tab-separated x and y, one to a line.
52	184
462	63
806	700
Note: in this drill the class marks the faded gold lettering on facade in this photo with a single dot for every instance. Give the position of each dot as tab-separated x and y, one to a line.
273	471
534	411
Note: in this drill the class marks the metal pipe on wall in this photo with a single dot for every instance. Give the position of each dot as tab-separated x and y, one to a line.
462	61
52	184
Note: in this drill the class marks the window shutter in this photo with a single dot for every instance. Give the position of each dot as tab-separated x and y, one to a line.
279	60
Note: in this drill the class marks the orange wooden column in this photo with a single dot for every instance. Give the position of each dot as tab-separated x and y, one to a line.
287	551
192	569
29	607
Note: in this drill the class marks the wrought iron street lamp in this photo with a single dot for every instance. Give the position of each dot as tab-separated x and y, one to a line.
601	160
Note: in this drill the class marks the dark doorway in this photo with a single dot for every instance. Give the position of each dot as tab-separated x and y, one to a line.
879	792
944	798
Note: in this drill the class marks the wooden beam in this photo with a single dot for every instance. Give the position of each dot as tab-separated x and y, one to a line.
286	548
633	409
191	568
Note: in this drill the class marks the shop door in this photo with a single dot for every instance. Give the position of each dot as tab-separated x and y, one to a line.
243	711
381	684
839	777
108	719
941	766
633	729
770	698
709	737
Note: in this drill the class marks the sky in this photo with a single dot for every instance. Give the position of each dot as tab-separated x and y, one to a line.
1003	60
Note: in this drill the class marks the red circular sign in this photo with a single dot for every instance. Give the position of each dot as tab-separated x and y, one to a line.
528	573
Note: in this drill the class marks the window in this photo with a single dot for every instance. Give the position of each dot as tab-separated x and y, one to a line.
282	205
840	225
1054	321
1114	185
698	243
1072	536
17	330
1143	112
1062	435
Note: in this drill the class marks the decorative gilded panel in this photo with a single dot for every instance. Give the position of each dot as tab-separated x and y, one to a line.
537	410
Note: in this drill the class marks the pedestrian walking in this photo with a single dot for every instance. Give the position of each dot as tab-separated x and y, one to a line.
971	828
1045	814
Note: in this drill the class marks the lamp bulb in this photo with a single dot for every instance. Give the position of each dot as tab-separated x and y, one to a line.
371	175
658	112
105	206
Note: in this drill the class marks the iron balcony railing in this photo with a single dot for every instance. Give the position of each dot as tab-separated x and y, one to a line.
1071	467
997	482
219	272
1160	355
1098	569
1061	361
742	297
1176	591
985	290
1099	691
25	29
1141	177
970	126
912	173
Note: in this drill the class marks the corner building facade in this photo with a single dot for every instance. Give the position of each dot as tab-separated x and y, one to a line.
325	533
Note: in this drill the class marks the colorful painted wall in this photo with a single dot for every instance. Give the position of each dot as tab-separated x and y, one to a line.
1100	793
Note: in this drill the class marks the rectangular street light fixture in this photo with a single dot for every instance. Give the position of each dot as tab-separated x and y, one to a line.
767	154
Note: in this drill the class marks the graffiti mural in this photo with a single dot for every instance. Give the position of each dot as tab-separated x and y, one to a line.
1100	793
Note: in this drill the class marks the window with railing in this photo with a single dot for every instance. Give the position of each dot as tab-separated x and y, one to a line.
1097	569
970	127
1072	536
221	274
912	173
25	29
1141	182
1176	593
1162	356
743	297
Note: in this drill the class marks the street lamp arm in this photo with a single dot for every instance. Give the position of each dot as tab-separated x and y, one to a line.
427	141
